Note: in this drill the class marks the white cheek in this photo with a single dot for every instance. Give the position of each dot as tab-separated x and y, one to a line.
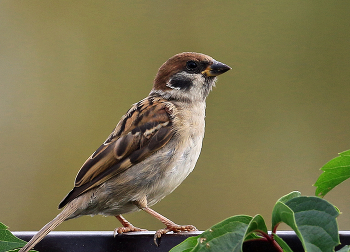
172	87
195	92
198	91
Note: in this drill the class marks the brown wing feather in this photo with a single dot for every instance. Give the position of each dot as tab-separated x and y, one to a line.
145	128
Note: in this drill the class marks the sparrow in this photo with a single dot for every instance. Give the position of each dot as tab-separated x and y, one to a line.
153	148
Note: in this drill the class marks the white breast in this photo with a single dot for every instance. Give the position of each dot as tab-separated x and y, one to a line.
184	148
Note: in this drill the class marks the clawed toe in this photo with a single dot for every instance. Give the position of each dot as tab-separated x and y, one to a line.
175	228
170	226
127	229
127	226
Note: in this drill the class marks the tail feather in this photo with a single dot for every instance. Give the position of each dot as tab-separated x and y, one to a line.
62	216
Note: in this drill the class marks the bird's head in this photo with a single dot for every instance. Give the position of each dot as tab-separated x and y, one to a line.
188	76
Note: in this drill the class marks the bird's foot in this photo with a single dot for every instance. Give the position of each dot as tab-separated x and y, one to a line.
127	226
126	229
175	228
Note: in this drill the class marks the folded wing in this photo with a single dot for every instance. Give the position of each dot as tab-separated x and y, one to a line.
145	128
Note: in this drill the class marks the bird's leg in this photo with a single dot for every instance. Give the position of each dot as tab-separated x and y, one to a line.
127	226
170	226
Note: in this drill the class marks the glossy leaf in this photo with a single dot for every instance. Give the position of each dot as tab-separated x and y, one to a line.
313	220
9	242
289	196
282	243
227	235
257	223
335	172
344	249
187	245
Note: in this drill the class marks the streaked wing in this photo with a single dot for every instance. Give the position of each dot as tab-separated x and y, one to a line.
145	128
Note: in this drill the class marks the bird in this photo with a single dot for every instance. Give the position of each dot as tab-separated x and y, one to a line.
153	148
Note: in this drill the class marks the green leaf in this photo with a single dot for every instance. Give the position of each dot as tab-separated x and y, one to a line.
227	235
289	196
282	243
313	219
282	213
335	172
257	223
344	249
8	241
187	245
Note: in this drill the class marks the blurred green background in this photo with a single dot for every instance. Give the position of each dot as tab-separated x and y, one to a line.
70	69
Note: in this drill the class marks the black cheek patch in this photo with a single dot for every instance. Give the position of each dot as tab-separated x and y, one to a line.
180	83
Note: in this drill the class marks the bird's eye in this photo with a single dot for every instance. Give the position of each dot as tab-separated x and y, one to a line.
191	65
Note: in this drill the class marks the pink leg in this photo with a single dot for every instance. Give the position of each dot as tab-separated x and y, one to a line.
170	226
127	226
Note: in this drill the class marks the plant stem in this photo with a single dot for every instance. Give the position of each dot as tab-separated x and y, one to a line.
275	228
270	240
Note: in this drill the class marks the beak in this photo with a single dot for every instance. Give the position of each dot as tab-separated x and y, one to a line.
216	69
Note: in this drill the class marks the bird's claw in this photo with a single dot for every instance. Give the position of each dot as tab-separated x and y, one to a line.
131	228
175	229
